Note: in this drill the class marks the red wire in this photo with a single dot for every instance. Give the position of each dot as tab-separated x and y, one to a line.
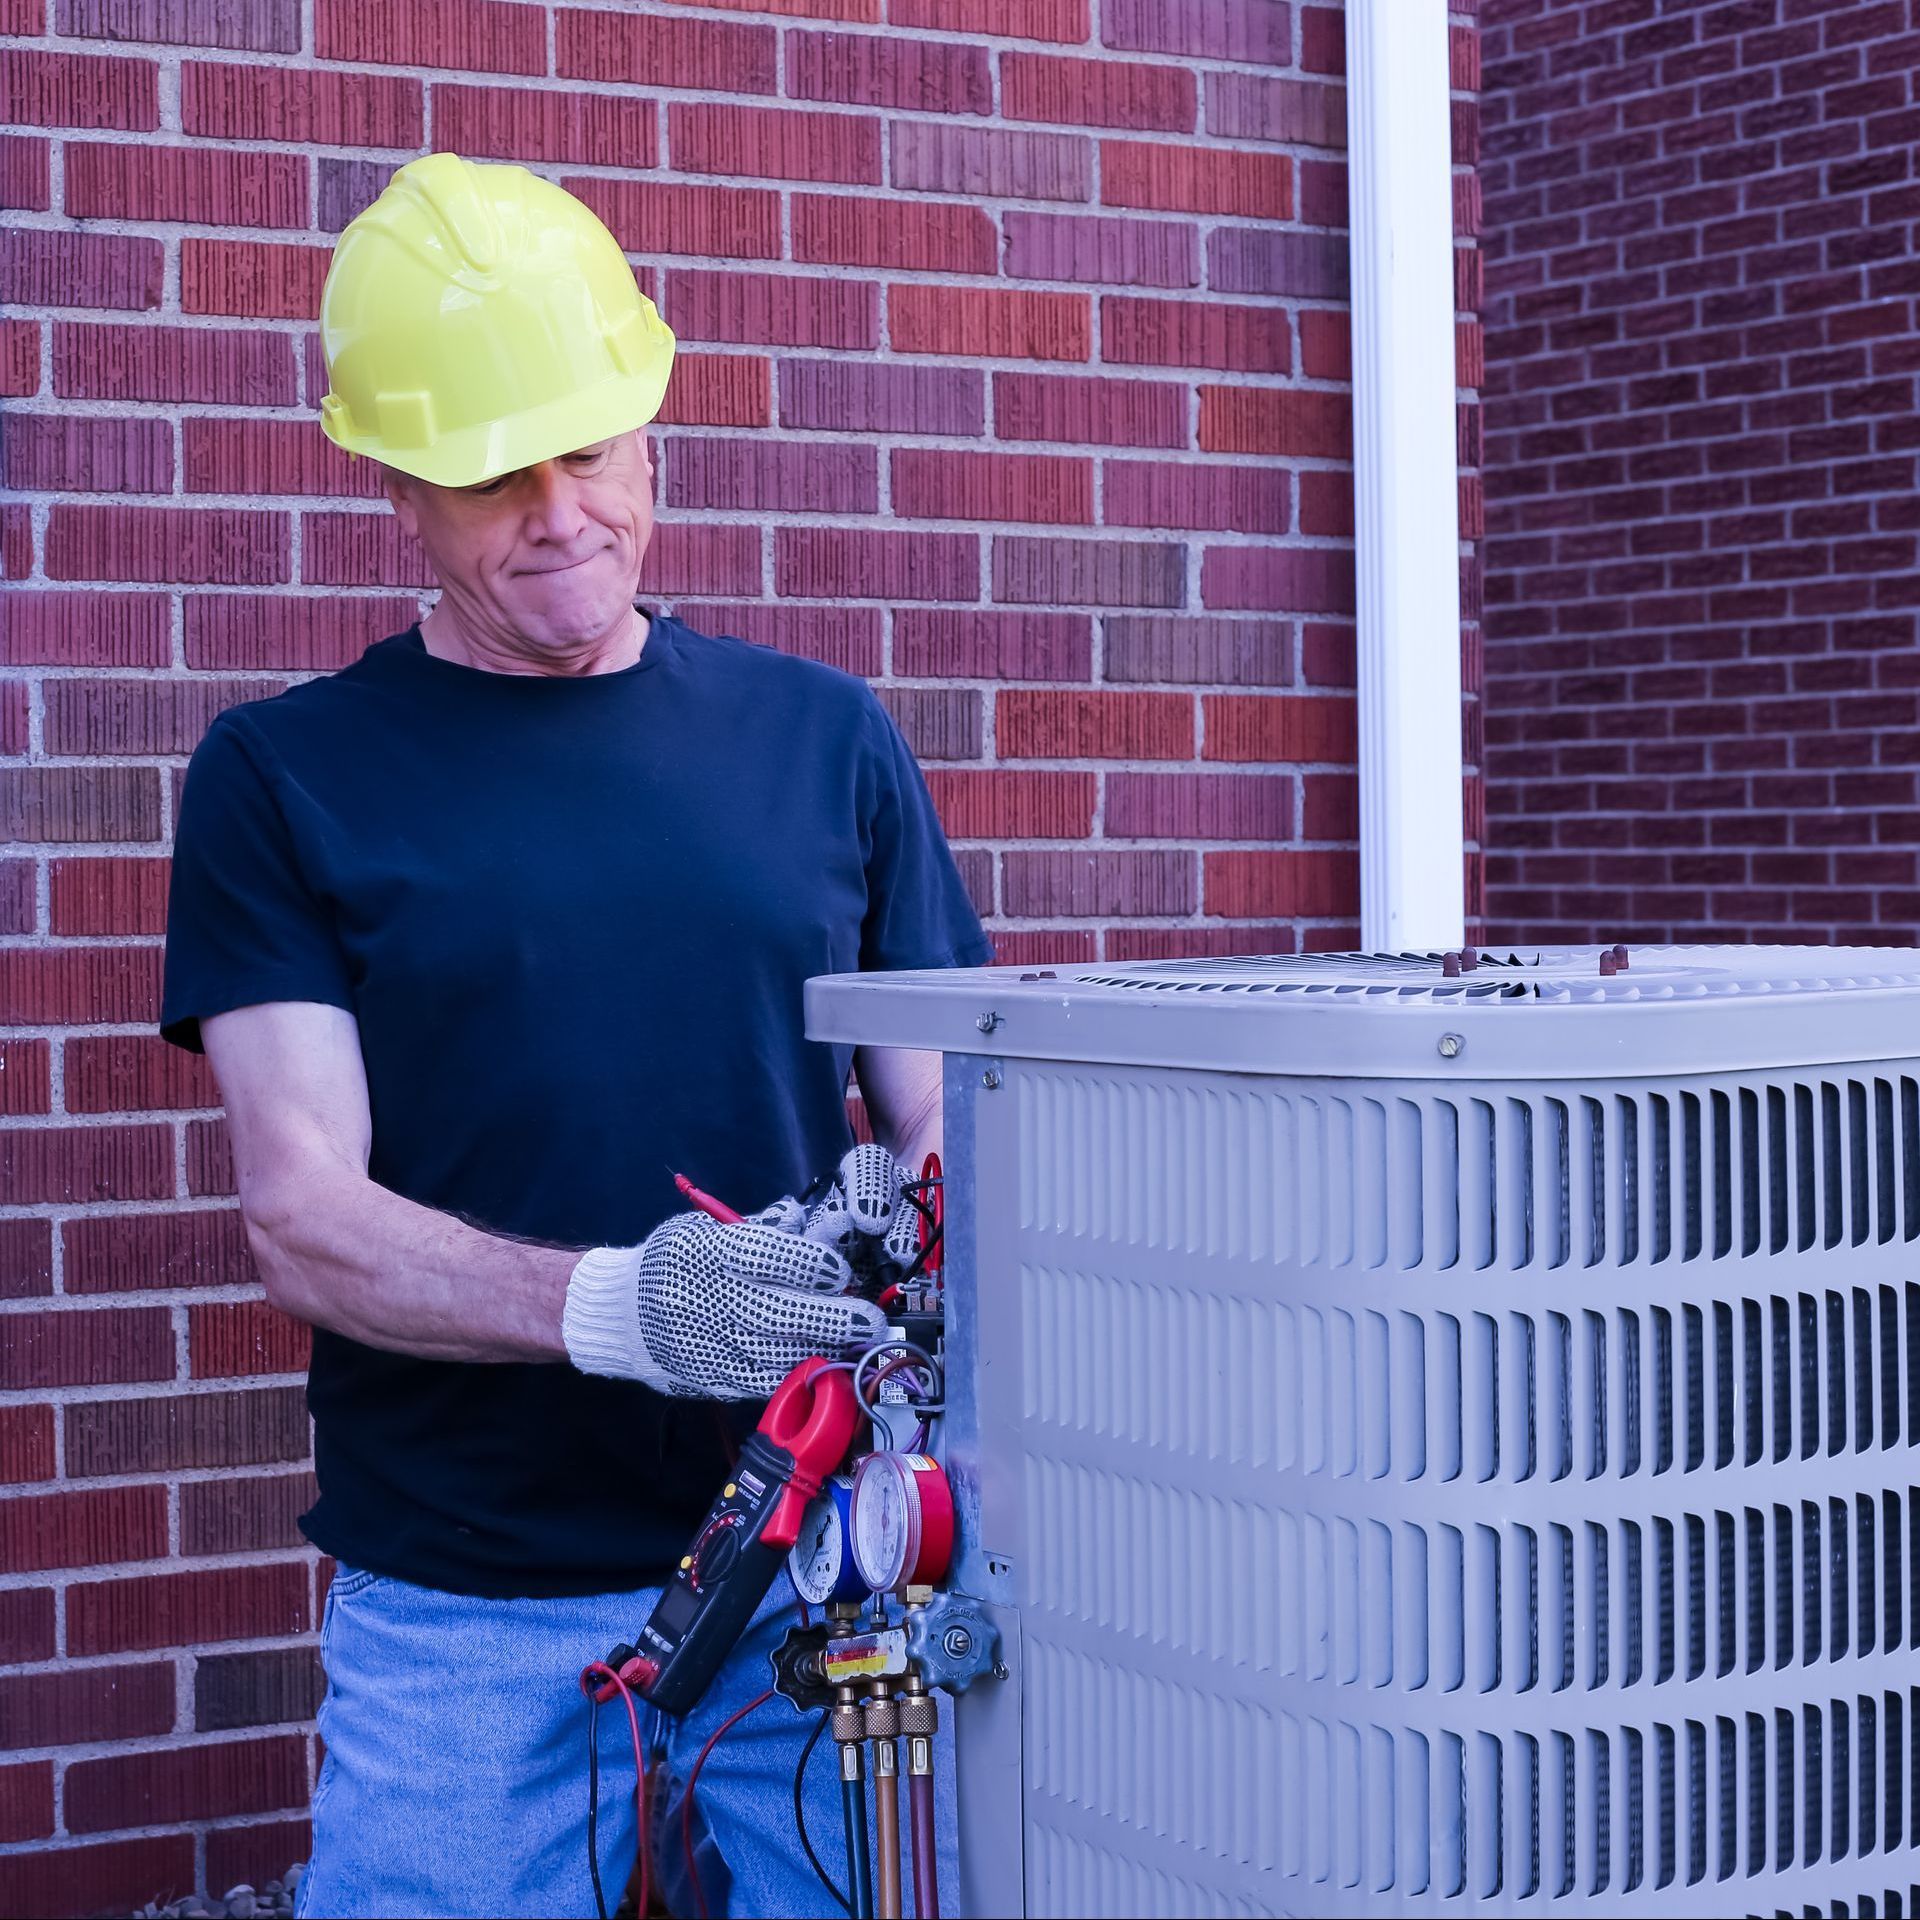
640	1789
686	1805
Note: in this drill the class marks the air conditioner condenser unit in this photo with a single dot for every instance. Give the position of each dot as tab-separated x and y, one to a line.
1431	1443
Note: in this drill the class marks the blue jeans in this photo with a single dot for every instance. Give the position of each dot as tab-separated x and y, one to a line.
455	1778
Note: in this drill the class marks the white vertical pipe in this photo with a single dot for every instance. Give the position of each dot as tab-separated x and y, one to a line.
1406	503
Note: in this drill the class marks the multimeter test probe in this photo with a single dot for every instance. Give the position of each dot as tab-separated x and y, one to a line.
850	1541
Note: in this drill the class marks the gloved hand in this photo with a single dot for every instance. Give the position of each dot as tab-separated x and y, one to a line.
864	1216
711	1311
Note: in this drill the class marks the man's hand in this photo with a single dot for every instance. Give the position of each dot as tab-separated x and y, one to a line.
705	1310
865	1217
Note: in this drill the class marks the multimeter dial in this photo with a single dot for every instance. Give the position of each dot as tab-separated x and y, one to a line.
821	1564
902	1521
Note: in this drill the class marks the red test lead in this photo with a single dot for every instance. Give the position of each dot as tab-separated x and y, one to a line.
714	1209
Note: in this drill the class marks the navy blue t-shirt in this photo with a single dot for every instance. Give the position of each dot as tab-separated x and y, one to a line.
572	918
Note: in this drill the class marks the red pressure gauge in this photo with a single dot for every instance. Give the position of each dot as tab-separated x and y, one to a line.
902	1521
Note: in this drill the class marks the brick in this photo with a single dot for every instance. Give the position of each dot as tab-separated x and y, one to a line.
1293	422
527	124
844	637
248	26
1285	728
237	367
90	1527
106	717
204	545
26	1802
938	723
26	1624
76	1705
1101	573
1281	579
1002	805
78	90
1078	885
247	1337
1194	333
111	894
42	268
252	279
70	1349
19	912
989	163
79	803
300	105
244	1513
1323	42
1108	249
54	453
490	36
185	1430
359	550
1070	724
900	235
650	216
936	483
105	1878
1251	30
250	632
1326	504
718	390
79	986
209	186
15	721
133	1615
187	1783
988	323
835	563
1254	106
1187	179
793	476
346	188
1097	93
770	143
25	177
871	70
1044	946
265	1689
134	1073
700	56
1238	499
19	358
939	643
1312	884
129	1252
254	457
257	1852
880	397
1058	20
24	1076
689	558
1051	406
1326	345
1310	266
26	1454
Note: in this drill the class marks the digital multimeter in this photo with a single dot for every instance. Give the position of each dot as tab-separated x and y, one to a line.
724	1575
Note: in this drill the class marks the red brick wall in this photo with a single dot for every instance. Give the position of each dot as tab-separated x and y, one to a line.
1702	680
1013	369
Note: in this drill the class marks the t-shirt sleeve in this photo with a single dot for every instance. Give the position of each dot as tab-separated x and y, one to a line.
918	913
243	927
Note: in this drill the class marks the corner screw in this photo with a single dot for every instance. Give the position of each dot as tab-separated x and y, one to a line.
987	1022
999	1669
990	1079
1450	1045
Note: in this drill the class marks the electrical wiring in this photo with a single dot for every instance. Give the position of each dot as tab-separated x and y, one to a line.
800	1812
693	1780
912	1353
596	1672
593	1805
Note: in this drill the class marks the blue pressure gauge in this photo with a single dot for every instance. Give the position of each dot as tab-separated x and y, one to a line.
821	1564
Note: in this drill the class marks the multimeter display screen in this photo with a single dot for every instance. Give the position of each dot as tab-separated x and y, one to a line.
677	1607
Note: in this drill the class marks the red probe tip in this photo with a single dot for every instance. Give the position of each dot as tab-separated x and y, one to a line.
714	1209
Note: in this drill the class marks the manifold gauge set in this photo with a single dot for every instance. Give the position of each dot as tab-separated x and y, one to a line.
840	1486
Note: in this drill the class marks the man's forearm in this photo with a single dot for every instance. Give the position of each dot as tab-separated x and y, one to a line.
350	1256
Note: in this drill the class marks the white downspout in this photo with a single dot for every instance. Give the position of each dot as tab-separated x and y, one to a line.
1405	475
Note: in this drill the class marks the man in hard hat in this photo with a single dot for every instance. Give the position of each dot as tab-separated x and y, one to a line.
482	935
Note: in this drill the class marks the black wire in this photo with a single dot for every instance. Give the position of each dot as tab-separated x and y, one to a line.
593	1804
800	1812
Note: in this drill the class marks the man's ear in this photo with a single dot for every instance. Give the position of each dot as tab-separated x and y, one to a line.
398	489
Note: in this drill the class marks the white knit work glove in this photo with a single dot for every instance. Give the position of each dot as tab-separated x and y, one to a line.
711	1311
864	1216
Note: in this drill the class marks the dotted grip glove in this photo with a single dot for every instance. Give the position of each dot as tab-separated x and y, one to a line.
704	1310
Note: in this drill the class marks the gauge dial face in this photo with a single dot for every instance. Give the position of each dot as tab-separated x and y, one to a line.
886	1521
818	1564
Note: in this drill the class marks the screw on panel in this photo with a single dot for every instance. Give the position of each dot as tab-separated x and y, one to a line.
987	1022
1450	1045
990	1079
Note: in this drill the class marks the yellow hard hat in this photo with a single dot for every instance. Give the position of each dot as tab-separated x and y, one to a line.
477	319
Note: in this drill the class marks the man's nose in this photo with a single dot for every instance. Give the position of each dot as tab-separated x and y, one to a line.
554	511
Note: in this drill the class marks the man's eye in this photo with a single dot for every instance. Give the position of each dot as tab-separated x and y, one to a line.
486	488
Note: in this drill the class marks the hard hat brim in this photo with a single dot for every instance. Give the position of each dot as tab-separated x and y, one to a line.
477	454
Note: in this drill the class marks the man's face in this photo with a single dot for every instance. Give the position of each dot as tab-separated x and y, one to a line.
545	559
